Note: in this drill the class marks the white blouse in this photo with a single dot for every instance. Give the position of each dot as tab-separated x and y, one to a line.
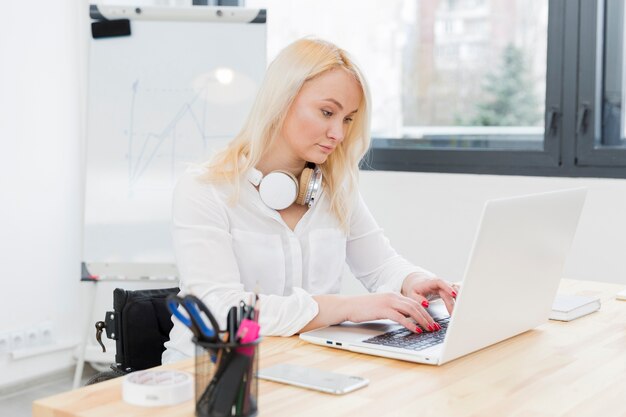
226	252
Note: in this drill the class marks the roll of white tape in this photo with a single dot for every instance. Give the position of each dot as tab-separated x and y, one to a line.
157	388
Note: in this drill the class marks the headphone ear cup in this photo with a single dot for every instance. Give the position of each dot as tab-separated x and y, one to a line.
278	189
305	179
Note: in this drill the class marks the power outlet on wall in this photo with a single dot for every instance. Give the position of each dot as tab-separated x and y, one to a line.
18	340
32	337
5	343
46	333
41	334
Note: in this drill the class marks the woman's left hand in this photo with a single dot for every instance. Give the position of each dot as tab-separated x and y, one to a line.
423	289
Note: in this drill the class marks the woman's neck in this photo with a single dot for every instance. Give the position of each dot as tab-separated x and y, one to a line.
274	161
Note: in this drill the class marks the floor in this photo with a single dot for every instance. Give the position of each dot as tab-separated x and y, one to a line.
19	404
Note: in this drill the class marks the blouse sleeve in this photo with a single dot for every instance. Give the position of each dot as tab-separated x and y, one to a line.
208	267
370	256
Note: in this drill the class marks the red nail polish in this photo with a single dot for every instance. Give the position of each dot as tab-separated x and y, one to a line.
438	326
454	293
417	329
430	327
425	304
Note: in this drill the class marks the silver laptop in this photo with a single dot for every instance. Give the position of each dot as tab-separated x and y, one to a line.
510	282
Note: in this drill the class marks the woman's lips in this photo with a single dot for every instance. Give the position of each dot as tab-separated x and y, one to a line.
326	149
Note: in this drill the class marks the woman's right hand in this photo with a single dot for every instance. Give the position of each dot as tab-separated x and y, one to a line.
403	310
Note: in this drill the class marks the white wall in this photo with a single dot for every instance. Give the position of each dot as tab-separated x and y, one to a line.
40	182
431	219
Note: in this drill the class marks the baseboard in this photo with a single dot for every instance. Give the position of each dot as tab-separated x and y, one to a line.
64	373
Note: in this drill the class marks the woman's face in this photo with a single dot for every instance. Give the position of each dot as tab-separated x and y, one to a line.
320	115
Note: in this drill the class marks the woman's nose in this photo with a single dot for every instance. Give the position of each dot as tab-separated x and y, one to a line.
336	132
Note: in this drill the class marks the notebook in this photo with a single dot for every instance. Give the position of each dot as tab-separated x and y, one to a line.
570	307
509	285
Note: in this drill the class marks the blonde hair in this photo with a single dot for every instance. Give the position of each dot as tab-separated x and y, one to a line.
296	64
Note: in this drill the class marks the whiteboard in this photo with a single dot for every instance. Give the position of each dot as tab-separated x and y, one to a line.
166	96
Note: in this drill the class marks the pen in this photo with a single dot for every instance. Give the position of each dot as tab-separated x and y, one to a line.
231	323
252	307
256	307
242	313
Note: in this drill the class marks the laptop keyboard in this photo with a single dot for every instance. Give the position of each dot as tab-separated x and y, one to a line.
406	339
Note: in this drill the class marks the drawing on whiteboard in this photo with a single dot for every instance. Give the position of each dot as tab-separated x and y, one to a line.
189	123
145	146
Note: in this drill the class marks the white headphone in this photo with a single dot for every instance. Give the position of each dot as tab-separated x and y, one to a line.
280	189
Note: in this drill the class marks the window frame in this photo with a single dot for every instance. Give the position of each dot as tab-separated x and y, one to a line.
568	151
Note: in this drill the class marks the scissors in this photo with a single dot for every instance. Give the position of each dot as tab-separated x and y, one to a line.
193	319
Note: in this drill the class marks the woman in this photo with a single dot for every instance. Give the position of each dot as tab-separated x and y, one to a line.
237	229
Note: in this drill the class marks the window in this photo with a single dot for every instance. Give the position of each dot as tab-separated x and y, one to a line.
610	127
600	113
528	87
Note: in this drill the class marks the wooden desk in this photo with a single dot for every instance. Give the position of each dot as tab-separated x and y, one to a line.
558	369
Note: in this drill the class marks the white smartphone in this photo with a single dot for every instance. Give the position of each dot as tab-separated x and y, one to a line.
311	378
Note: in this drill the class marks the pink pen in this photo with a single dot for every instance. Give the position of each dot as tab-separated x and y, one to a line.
248	332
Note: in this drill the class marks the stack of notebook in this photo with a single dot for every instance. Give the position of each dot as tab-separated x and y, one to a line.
570	307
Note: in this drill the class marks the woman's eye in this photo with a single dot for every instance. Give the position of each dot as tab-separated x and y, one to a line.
326	113
347	120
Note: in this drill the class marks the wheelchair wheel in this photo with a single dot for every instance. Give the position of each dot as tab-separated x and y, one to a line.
104	376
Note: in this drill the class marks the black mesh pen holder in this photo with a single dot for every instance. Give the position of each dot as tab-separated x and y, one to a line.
226	381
